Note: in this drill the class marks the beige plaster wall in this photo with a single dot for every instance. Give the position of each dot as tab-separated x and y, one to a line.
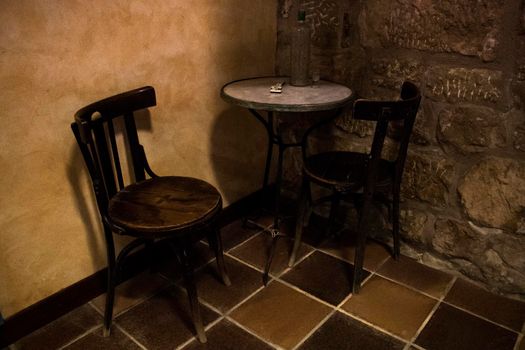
55	57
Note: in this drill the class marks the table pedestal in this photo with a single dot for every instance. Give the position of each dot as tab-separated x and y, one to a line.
274	139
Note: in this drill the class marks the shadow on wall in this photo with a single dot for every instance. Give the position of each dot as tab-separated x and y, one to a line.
237	149
85	200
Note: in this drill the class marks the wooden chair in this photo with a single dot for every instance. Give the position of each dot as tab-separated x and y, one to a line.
178	210
359	176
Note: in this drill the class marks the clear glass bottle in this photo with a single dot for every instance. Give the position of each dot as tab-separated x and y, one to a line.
300	52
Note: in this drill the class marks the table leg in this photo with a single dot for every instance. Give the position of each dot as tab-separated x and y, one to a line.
269	152
274	138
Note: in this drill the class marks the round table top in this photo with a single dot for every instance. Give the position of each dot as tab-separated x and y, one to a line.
254	93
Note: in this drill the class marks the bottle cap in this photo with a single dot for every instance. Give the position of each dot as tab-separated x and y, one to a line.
301	15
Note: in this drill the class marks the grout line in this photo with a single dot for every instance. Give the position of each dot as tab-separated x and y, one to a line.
414	289
443	301
255	234
380	265
208	305
226	314
91	330
130	336
425	322
433	311
519	340
313	330
123	311
248	330
348	261
213	323
244	262
297	289
297	262
339	309
481	317
99	311
206	329
373	326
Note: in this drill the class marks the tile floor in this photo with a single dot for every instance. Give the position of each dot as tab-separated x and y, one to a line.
402	305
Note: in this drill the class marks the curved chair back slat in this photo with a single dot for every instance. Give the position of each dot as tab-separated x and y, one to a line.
94	130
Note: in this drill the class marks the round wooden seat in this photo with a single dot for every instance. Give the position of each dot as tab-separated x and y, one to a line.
163	205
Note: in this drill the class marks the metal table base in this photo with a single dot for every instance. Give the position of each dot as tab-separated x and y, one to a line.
274	139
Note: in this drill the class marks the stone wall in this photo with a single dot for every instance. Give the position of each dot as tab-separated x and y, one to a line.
464	185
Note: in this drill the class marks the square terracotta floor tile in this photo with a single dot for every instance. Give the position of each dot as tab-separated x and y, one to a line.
508	312
256	250
95	340
211	289
344	248
227	336
451	328
522	343
392	307
328	278
163	321
416	275
342	332
236	233
63	330
132	292
280	314
202	255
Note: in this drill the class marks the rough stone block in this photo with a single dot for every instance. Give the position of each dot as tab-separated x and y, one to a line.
489	255
493	192
330	21
424	130
387	74
427	177
519	138
433	25
361	128
471	129
412	223
454	85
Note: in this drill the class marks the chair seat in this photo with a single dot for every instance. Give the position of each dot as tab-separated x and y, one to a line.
164	205
345	170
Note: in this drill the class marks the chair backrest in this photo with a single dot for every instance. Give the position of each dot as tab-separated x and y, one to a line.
94	130
384	112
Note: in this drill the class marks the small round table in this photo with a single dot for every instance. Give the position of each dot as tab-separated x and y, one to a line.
254	94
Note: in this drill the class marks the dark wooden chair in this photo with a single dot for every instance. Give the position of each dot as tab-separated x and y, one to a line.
359	176
178	210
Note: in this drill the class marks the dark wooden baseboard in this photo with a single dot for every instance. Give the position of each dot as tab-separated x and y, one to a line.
49	309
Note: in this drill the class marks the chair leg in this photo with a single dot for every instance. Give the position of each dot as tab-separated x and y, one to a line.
303	210
110	299
395	223
185	261
111	281
214	238
269	259
360	246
